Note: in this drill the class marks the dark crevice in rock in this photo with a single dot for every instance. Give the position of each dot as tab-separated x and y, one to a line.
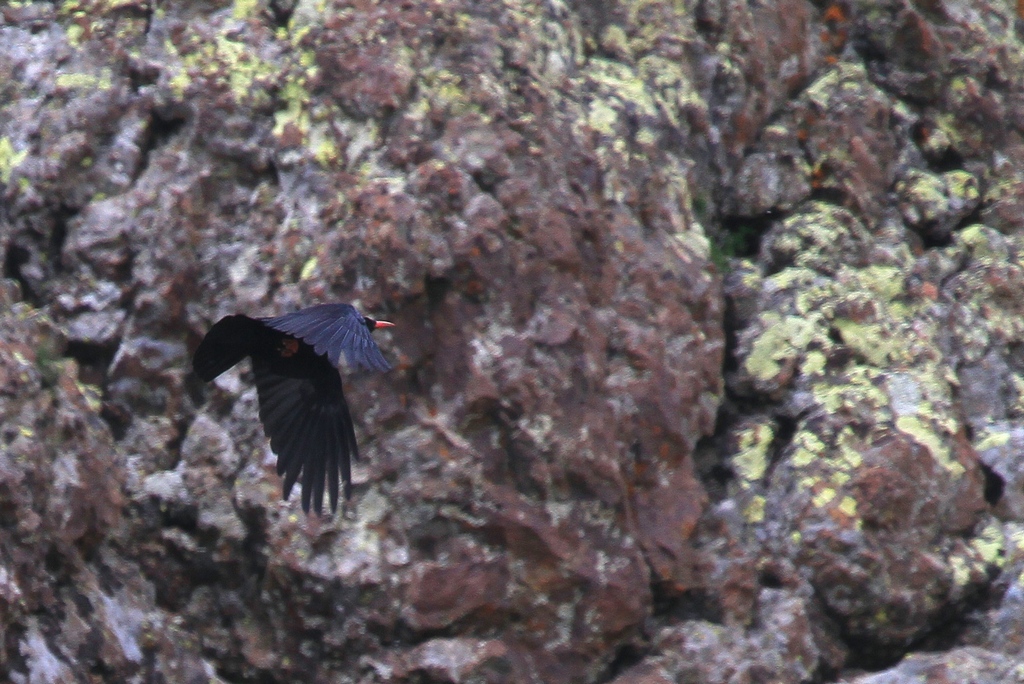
118	418
593	18
929	240
281	11
185	518
947	631
867	655
785	429
994	485
173	446
880	68
486	180
142	74
272	173
710	457
89	652
16	257
428	538
93	359
769	580
53	562
835	337
935	239
949	160
626	656
162	128
711	453
235	676
834	196
716	480
517	463
14	659
59	235
694	604
436	289
740	236
731	325
256	542
141	10
957	620
971	219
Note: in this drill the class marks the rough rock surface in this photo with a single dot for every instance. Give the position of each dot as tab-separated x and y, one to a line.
708	349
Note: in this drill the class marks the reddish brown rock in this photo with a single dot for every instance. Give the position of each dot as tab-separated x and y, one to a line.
550	492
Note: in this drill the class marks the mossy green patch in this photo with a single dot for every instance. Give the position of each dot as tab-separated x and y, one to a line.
848	505
963	186
226	62
992	439
754	511
823	496
615	41
751	461
243	9
295	97
857	388
323	145
844	75
74	34
924	433
849	456
602	118
991	544
885	282
10	159
814	363
867	339
308	269
103	81
961	570
926	191
808	448
620	82
983	242
783	338
445	90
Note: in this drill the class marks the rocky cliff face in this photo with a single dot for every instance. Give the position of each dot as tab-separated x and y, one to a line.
708	346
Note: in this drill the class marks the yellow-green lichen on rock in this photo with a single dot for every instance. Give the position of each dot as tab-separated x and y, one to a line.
10	159
844	76
991	544
818	237
779	346
83	81
225	61
751	460
924	195
619	82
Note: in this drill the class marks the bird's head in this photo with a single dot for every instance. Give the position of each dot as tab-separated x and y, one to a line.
374	324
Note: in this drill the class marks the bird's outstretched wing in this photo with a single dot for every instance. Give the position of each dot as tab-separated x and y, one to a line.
310	429
229	341
332	329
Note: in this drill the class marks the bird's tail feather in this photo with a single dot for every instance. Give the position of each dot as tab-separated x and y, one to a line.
229	341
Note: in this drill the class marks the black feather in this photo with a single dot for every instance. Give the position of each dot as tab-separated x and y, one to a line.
301	402
229	341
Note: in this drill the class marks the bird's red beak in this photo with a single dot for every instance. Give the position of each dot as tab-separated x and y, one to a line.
383	324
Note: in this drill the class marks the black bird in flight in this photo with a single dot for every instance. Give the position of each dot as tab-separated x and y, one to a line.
295	361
